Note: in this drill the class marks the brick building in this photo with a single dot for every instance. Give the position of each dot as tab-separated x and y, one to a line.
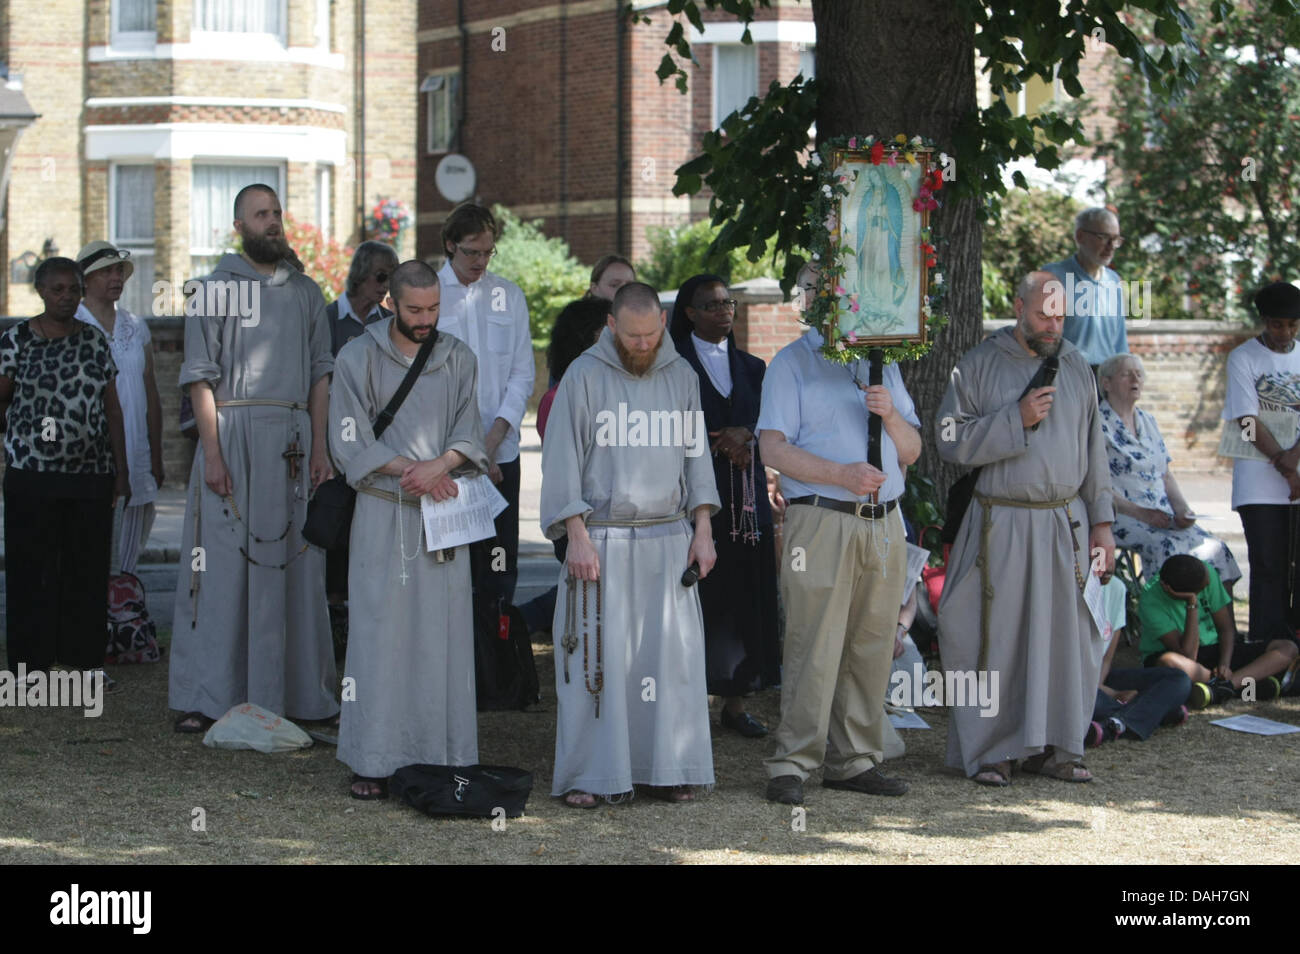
557	106
154	113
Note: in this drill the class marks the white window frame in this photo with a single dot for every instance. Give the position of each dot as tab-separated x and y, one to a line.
257	43
453	108
717	72
131	39
138	247
213	251
323	24
325	198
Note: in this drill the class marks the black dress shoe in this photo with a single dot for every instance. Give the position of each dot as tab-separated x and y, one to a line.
786	789
870	782
745	724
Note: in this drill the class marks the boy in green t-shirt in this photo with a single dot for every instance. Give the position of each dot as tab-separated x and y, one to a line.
1187	624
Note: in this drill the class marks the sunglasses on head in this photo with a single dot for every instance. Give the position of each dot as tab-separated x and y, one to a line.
119	254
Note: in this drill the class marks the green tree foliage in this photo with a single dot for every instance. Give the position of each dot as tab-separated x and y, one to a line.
755	165
1207	188
1036	227
677	253
549	276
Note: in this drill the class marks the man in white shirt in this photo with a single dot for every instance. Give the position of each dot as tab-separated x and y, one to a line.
490	315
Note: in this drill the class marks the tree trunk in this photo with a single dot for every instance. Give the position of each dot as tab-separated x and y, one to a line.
885	68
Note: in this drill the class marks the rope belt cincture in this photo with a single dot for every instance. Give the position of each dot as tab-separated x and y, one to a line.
987	503
648	522
267	402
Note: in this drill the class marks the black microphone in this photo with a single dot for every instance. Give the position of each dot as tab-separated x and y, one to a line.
692	575
1043	378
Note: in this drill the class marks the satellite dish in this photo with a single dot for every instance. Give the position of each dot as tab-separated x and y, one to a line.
455	178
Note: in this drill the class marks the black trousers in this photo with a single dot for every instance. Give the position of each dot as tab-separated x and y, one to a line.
336	571
1272	581
501	583
56	578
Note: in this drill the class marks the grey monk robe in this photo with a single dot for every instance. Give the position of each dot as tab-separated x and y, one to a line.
1042	643
247	627
654	708
411	646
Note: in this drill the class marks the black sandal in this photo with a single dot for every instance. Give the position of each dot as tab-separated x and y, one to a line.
379	783
193	723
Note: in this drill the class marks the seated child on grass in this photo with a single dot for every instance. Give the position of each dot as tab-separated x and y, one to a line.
1131	703
1187	624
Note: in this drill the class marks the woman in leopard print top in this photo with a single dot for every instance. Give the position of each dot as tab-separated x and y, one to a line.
65	462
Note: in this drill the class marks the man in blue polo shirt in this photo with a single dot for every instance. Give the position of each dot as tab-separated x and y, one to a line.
1093	293
845	562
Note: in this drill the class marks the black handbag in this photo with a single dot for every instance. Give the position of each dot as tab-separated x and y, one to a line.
329	511
472	791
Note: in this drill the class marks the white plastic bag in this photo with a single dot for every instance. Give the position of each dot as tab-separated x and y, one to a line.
247	726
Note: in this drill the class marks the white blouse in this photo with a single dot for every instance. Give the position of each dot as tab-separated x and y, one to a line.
130	343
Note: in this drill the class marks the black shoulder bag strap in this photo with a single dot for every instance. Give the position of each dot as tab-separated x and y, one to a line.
417	365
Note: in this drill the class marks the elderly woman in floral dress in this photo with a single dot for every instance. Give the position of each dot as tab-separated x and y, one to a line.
1151	515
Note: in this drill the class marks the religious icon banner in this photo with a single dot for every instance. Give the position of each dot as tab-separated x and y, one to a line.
879	281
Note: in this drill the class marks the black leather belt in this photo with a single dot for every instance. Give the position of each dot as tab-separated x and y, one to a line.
864	510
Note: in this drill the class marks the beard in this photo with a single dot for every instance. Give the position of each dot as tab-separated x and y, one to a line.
415	335
637	364
266	249
1039	346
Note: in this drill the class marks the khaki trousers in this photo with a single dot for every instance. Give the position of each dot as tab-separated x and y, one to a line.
841	605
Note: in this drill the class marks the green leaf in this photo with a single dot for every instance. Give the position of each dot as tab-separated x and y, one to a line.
693	14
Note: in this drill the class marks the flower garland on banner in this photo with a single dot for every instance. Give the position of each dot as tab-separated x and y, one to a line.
828	255
388	219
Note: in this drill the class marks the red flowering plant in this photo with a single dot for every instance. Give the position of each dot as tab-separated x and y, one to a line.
387	220
324	260
832	300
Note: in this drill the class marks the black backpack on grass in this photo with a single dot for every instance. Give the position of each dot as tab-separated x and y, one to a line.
470	791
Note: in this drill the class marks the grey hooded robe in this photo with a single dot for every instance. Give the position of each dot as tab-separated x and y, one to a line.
1043	644
246	632
409	697
654	714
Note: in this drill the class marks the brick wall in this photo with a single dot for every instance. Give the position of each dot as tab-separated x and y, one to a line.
218	78
1186	376
1185	362
550	97
168	355
174	113
45	43
392	95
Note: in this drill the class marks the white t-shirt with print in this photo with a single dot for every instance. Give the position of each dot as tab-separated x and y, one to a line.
1260	379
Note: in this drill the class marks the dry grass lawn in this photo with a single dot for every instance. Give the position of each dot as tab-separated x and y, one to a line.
122	789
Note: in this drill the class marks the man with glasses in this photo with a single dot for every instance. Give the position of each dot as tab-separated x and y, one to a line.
490	315
1094	295
348	315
